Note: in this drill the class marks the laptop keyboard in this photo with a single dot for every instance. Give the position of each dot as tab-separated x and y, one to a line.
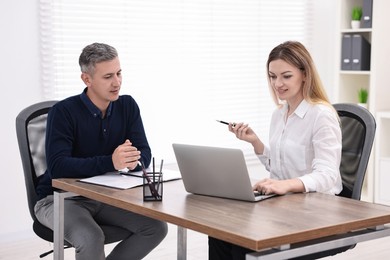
257	194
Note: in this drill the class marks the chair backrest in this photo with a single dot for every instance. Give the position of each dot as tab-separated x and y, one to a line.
31	135
358	131
30	132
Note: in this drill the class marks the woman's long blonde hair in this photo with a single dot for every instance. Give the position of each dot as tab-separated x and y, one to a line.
296	54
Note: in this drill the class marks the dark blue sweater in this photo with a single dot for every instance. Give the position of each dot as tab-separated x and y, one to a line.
80	143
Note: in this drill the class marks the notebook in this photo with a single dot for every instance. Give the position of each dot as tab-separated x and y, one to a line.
127	180
215	171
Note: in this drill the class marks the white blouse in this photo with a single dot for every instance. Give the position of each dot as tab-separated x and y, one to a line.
306	146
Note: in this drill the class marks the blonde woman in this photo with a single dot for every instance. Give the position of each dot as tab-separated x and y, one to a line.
304	150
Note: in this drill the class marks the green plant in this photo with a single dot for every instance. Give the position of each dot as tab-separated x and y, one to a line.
362	95
357	13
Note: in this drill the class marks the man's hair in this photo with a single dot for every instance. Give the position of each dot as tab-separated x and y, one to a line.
95	53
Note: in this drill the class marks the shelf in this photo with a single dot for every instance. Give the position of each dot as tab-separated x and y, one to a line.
383	114
383	128
355	72
361	30
382	158
349	82
382	192
375	80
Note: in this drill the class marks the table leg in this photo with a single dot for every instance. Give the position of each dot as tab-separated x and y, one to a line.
181	243
58	230
320	244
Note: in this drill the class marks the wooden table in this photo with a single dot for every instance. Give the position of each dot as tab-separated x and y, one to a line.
280	222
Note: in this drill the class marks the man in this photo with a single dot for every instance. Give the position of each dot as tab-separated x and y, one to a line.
90	134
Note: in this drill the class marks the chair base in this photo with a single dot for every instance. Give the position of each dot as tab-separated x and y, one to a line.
50	252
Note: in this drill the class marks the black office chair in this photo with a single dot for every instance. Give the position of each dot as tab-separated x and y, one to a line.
358	131
30	131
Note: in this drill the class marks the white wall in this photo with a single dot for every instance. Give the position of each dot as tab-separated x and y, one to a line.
325	38
20	70
19	73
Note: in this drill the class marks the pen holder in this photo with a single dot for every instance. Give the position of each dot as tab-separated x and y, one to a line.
153	186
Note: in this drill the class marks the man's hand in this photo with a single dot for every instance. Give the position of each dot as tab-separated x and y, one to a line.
126	156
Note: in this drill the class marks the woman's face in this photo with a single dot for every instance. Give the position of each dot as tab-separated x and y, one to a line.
286	80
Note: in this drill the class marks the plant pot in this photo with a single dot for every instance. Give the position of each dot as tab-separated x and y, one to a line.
355	24
363	105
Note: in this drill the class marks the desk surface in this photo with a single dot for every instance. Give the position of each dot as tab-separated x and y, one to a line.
256	225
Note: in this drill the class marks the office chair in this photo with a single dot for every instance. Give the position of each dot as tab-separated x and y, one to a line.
30	131
358	131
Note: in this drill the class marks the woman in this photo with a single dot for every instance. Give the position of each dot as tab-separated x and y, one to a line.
304	150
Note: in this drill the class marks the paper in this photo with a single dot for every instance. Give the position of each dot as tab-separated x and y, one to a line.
120	181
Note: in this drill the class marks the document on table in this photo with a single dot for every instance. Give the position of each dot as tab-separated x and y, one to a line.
123	181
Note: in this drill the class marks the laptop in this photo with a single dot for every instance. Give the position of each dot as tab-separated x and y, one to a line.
215	171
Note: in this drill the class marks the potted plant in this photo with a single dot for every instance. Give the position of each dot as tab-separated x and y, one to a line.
363	97
357	13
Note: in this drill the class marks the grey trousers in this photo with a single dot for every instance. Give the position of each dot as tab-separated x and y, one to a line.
82	230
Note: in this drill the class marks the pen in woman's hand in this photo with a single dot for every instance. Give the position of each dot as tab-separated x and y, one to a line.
226	123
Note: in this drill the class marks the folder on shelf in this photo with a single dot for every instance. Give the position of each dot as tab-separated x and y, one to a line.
355	52
361	50
346	52
367	14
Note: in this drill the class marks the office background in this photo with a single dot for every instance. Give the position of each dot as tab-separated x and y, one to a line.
21	85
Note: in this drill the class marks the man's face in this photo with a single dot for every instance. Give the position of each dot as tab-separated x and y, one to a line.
104	83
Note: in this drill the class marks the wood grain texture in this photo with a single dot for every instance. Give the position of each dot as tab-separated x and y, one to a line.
256	225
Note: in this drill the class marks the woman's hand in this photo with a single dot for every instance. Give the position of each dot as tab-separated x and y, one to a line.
280	187
245	133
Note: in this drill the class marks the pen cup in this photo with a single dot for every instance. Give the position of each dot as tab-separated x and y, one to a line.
153	186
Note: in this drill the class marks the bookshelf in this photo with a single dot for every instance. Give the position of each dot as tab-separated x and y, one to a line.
376	81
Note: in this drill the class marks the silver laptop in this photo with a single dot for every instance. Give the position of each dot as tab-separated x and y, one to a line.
215	171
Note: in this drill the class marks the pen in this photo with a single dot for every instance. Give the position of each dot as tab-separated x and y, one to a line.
161	165
153	163
160	176
153	171
150	184
226	123
130	174
159	180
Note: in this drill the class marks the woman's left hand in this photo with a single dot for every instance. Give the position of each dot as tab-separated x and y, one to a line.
280	187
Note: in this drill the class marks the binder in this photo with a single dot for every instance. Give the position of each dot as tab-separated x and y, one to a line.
361	53
346	52
367	14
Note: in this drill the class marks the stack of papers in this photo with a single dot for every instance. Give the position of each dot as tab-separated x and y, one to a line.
122	180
